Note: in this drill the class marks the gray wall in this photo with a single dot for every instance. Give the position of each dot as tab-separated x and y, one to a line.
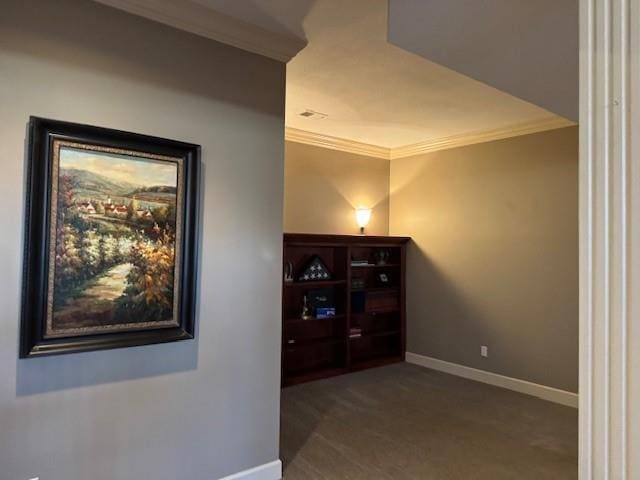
190	410
494	257
323	187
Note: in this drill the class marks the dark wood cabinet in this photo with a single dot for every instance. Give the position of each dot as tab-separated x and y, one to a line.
367	290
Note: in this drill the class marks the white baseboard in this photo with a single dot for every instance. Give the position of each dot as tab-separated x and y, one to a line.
541	391
268	471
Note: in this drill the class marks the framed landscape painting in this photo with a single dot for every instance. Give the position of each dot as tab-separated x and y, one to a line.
111	233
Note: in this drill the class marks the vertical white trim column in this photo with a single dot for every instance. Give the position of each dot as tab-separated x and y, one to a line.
610	240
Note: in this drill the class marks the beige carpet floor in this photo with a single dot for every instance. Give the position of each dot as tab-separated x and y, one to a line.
407	422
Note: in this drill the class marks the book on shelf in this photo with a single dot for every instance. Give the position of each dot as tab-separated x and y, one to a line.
355	332
357	263
325	312
321	298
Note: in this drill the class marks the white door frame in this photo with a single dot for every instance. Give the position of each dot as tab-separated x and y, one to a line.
609	239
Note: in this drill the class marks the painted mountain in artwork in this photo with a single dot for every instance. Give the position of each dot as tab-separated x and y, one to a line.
90	184
156	193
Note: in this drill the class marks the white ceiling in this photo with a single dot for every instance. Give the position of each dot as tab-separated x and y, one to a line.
376	93
372	91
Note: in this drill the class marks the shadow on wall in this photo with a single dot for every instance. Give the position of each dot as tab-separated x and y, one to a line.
323	188
47	374
359	198
334	210
437	310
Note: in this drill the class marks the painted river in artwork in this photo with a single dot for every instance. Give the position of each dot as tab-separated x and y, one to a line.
96	301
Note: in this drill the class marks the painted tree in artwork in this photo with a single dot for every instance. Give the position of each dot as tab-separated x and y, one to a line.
160	214
67	260
65	195
170	215
149	294
132	208
102	252
65	208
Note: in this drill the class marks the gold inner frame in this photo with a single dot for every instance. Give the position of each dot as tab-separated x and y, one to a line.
50	332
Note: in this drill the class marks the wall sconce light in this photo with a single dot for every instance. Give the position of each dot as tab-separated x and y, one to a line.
363	215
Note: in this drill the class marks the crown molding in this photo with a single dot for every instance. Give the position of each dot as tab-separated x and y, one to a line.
444	143
192	17
335	143
453	141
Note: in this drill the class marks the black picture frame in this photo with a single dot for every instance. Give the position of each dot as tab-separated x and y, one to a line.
43	133
383	279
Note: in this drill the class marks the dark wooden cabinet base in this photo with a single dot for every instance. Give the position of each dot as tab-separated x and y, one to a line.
367	289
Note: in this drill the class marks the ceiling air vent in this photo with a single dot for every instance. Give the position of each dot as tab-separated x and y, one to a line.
313	114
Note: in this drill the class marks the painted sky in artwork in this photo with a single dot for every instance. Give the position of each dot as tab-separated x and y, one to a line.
117	167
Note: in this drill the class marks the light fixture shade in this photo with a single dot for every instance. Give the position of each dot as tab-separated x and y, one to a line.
363	215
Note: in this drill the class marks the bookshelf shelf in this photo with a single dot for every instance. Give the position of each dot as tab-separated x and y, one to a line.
373	265
322	283
374	306
315	342
293	321
376	289
375	333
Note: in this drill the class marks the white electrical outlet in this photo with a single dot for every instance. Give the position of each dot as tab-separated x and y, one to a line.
484	351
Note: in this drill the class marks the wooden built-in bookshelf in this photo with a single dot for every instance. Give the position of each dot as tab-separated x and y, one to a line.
368	328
